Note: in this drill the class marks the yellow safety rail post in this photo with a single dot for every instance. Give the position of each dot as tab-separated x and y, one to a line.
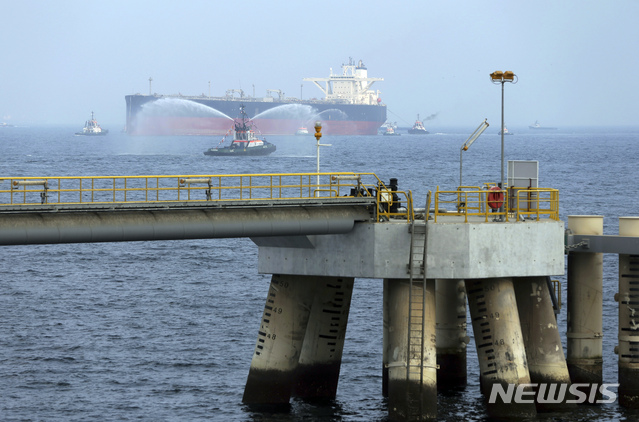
555	204
384	200
409	206
436	210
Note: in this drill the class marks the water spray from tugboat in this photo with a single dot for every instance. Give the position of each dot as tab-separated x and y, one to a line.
176	106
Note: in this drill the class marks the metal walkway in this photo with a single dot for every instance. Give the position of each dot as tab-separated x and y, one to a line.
135	208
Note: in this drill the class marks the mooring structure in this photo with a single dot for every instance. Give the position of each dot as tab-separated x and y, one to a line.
477	249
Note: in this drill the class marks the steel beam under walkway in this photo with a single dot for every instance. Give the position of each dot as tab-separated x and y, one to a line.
587	243
173	221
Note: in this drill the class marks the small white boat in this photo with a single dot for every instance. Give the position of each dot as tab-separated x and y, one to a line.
537	126
506	132
301	131
391	130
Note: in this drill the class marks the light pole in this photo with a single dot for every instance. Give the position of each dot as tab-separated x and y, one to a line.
318	135
499	77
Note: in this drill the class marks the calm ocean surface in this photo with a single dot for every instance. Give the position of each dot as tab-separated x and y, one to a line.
165	331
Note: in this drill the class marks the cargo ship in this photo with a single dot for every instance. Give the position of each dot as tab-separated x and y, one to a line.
349	107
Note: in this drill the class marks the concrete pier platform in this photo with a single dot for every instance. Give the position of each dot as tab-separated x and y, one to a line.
455	251
486	255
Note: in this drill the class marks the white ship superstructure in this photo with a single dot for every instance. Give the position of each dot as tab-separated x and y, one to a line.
351	87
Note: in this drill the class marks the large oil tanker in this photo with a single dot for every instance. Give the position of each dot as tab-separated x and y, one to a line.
349	107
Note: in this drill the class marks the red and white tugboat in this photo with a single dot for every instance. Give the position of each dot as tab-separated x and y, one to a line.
418	128
92	128
391	130
245	141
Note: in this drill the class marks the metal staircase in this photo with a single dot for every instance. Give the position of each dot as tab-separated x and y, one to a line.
416	317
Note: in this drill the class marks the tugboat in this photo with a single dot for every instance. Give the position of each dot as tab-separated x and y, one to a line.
418	128
390	130
505	131
245	141
92	128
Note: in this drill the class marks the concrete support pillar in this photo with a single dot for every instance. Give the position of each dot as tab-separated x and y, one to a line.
628	297
544	352
321	356
279	341
411	350
585	307
385	339
451	333
500	346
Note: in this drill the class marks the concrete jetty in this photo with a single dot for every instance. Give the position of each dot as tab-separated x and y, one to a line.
488	253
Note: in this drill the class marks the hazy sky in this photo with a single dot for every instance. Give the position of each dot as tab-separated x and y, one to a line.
577	61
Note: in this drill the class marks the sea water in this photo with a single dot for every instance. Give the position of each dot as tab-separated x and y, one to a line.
165	331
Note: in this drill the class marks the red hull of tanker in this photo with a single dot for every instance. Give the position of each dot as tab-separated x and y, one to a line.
220	126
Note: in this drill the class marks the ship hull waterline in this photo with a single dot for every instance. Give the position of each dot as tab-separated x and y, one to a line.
207	126
151	115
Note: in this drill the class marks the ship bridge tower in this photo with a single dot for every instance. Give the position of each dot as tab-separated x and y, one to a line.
351	87
361	71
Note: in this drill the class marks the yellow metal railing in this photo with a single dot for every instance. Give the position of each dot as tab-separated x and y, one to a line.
520	204
394	204
465	203
33	191
469	199
533	203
